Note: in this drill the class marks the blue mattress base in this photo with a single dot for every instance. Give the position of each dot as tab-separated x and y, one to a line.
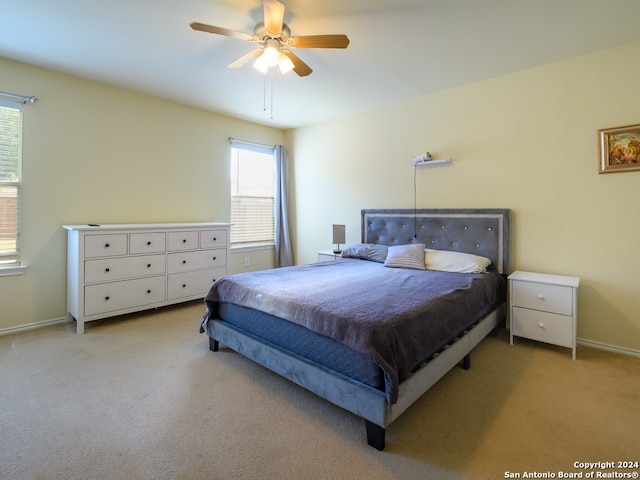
303	342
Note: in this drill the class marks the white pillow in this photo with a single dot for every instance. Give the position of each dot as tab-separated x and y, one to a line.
455	261
406	256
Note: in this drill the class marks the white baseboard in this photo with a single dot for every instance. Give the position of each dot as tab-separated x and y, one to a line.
32	326
609	348
603	346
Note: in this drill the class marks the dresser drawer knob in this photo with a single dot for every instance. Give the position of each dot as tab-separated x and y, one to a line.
184	240
148	265
214	258
184	261
106	245
184	285
107	269
215	239
540	296
541	325
148	243
106	299
148	292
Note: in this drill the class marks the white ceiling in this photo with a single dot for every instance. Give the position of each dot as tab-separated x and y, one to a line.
400	49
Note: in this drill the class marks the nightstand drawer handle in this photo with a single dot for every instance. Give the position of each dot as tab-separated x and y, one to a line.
540	296
541	325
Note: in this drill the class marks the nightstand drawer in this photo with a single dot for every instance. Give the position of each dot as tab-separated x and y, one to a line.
542	326
543	297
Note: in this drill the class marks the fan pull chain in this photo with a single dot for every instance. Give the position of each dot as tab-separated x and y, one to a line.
264	93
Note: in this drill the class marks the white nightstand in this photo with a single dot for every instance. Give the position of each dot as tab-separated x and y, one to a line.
326	255
544	308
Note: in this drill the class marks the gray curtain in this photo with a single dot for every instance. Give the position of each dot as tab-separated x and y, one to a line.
284	255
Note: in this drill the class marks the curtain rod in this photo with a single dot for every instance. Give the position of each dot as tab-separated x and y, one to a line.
250	144
22	98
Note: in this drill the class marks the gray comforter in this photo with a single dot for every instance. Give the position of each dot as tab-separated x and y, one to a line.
397	316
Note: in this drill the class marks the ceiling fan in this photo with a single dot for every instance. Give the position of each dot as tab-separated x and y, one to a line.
275	40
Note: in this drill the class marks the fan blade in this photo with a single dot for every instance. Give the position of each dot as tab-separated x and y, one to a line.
320	41
246	58
220	31
273	16
301	68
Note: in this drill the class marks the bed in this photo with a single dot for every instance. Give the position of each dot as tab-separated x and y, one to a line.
373	331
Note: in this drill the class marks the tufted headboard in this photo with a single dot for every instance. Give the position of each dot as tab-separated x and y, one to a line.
482	232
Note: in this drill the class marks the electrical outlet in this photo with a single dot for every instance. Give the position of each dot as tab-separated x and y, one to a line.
247	262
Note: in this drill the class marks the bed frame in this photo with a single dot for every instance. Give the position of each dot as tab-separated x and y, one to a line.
481	231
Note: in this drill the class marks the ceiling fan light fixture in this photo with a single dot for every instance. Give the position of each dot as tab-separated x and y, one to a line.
284	63
271	52
261	64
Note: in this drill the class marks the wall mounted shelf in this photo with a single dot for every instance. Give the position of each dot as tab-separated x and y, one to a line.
438	161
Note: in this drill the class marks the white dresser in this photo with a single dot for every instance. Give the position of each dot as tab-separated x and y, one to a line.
117	269
544	308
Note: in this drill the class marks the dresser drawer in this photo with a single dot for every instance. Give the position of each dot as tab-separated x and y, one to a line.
105	245
543	297
109	297
542	326
187	240
185	261
152	242
195	283
111	269
213	238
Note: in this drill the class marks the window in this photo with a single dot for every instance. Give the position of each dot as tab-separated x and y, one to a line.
252	195
10	182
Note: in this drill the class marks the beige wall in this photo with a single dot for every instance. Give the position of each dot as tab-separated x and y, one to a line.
98	154
526	141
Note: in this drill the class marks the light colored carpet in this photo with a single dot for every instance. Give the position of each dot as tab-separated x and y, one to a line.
142	397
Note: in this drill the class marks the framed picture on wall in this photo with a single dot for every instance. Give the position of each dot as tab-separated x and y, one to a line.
619	149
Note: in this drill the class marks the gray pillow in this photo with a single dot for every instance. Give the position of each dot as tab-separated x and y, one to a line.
366	251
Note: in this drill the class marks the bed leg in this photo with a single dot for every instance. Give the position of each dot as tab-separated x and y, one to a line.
214	345
375	435
466	361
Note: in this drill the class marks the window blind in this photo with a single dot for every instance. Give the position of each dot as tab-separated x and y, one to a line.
10	181
251	219
252	194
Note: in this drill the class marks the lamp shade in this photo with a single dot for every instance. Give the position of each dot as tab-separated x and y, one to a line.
338	233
